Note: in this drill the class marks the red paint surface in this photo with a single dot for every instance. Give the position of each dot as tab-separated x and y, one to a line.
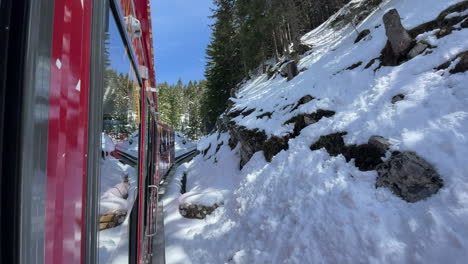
68	131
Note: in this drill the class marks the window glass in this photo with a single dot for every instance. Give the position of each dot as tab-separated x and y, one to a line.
120	148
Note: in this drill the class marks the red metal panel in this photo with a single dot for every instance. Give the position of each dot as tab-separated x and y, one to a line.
68	118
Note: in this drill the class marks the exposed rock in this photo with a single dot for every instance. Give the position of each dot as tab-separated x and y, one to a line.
464	24
302	48
248	112
233	142
289	70
354	66
461	66
250	141
442	20
370	63
409	177
303	120
219	146
205	151
366	157
267	114
380	143
193	211
333	143
400	40
304	100
221	124
362	35
183	182
112	219
444	31
274	145
232	114
419	48
397	98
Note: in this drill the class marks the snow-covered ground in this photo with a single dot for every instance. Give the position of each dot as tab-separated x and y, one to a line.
183	144
113	242
308	207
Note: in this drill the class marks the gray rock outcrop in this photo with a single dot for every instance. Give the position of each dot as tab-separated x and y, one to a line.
397	98
289	70
194	211
409	177
399	38
419	48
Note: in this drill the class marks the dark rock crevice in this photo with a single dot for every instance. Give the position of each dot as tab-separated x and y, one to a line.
304	100
366	157
362	35
461	66
303	120
267	114
255	140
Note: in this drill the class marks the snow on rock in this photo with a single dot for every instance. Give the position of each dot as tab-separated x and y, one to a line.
113	242
307	206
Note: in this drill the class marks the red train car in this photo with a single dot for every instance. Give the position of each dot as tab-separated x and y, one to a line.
72	73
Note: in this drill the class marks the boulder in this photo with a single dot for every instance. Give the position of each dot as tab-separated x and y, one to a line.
362	35
194	211
419	48
399	38
397	98
409	176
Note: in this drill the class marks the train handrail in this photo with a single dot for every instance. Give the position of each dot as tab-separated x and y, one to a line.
155	231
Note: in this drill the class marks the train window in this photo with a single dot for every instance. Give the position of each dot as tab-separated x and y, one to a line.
120	148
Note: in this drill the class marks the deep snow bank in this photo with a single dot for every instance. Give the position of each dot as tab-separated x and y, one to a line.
308	207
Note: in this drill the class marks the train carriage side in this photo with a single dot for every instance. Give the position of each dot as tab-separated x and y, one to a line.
77	79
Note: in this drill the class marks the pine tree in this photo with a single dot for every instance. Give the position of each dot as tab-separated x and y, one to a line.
223	69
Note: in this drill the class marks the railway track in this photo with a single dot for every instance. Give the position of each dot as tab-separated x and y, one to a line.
159	252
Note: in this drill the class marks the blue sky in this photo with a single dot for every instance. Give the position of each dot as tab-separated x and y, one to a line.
181	33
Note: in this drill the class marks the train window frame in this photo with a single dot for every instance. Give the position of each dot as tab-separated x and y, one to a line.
109	9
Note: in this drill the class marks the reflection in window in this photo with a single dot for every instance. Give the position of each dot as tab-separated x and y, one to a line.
120	148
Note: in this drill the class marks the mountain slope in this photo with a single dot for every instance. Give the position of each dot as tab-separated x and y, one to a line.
309	207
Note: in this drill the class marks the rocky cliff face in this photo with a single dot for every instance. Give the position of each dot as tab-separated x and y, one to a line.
413	182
